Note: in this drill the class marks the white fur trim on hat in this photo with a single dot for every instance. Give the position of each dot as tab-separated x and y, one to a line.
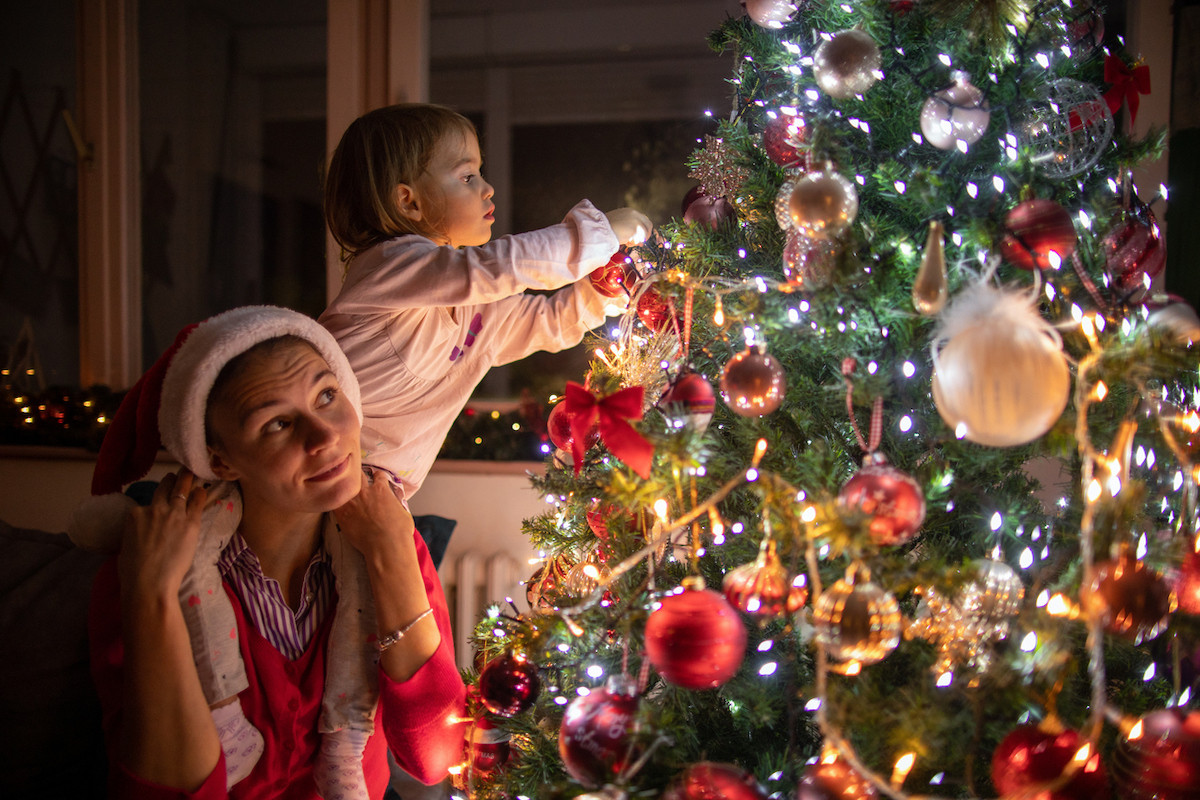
213	344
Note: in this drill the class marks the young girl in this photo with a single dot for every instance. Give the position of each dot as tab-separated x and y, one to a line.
428	306
261	403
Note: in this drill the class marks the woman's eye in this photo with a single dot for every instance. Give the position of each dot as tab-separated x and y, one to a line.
274	426
327	396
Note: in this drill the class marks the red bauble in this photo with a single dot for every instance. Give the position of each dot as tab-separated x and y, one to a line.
695	639
508	685
600	513
1037	228
781	137
655	312
616	278
833	781
594	738
1029	756
1163	763
692	393
1133	250
764	589
1187	589
892	499
708	210
753	383
558	426
707	780
1134	601
490	749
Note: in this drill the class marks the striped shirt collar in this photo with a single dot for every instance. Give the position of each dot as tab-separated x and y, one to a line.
289	631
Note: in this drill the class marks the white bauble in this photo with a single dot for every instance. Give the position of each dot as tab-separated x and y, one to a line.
953	115
848	64
770	13
999	374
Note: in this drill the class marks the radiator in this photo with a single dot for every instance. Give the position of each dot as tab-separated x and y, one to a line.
479	582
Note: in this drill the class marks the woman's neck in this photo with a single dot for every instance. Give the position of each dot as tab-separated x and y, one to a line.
284	543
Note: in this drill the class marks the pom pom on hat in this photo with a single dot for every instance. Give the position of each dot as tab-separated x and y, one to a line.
167	405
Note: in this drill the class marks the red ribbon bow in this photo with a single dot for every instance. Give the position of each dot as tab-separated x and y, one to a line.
614	412
1127	85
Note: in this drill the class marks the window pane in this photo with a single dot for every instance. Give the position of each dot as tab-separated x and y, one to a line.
233	138
39	265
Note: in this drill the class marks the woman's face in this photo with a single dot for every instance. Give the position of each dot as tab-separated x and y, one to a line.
283	429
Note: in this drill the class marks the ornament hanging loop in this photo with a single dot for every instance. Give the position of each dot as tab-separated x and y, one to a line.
875	434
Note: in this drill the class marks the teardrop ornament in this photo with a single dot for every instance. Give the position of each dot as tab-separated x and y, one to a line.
931	285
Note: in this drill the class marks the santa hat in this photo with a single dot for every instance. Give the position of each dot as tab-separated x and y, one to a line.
166	407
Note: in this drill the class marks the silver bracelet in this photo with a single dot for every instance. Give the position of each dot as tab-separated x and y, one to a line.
387	641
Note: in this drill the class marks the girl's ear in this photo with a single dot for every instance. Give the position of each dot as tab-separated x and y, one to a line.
219	468
406	202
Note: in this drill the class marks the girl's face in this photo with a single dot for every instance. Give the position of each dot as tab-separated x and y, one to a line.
452	190
283	429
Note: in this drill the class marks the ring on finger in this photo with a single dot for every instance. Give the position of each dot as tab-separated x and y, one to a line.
179	497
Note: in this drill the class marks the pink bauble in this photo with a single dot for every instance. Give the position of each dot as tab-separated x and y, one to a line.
558	426
1029	756
1037	228
957	114
753	383
1134	251
594	738
780	139
710	211
770	13
695	639
891	498
509	685
707	780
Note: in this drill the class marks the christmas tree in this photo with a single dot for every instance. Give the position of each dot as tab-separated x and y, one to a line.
916	265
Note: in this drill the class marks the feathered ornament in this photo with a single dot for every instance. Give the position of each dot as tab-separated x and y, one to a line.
717	169
985	20
999	374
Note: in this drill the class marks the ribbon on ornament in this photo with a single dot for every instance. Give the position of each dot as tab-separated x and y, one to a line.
614	413
1127	85
876	435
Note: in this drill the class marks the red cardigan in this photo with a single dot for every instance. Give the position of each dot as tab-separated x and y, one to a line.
417	718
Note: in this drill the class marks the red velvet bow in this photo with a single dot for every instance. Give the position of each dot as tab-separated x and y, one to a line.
614	411
1127	85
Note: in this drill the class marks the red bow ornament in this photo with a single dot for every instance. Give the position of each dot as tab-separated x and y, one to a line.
614	411
1127	85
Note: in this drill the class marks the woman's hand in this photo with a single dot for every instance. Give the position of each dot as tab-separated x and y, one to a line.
375	521
160	539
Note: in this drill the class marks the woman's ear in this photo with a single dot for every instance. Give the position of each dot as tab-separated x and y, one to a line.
219	467
406	202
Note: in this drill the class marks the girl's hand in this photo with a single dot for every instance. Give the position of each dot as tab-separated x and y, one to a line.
160	539
630	226
375	521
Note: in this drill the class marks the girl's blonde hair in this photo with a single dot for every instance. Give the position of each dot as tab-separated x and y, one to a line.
379	151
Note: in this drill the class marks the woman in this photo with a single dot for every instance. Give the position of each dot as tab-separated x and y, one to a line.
263	400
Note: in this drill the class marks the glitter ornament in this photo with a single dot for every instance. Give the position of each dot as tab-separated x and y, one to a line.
653	310
783	214
993	598
1030	756
770	13
544	587
617	277
782	138
763	588
707	780
593	740
809	264
932	285
857	622
693	395
1132	600
1066	128
489	747
1035	229
509	685
717	169
999	374
833	780
1133	252
822	204
847	64
891	498
695	639
1162	761
956	114
753	383
558	426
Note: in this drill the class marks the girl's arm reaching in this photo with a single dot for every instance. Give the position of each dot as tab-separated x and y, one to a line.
413	272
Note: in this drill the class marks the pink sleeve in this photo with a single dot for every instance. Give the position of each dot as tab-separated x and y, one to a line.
535	322
414	272
107	658
422	716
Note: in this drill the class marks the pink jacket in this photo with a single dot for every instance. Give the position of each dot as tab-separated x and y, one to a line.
422	324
